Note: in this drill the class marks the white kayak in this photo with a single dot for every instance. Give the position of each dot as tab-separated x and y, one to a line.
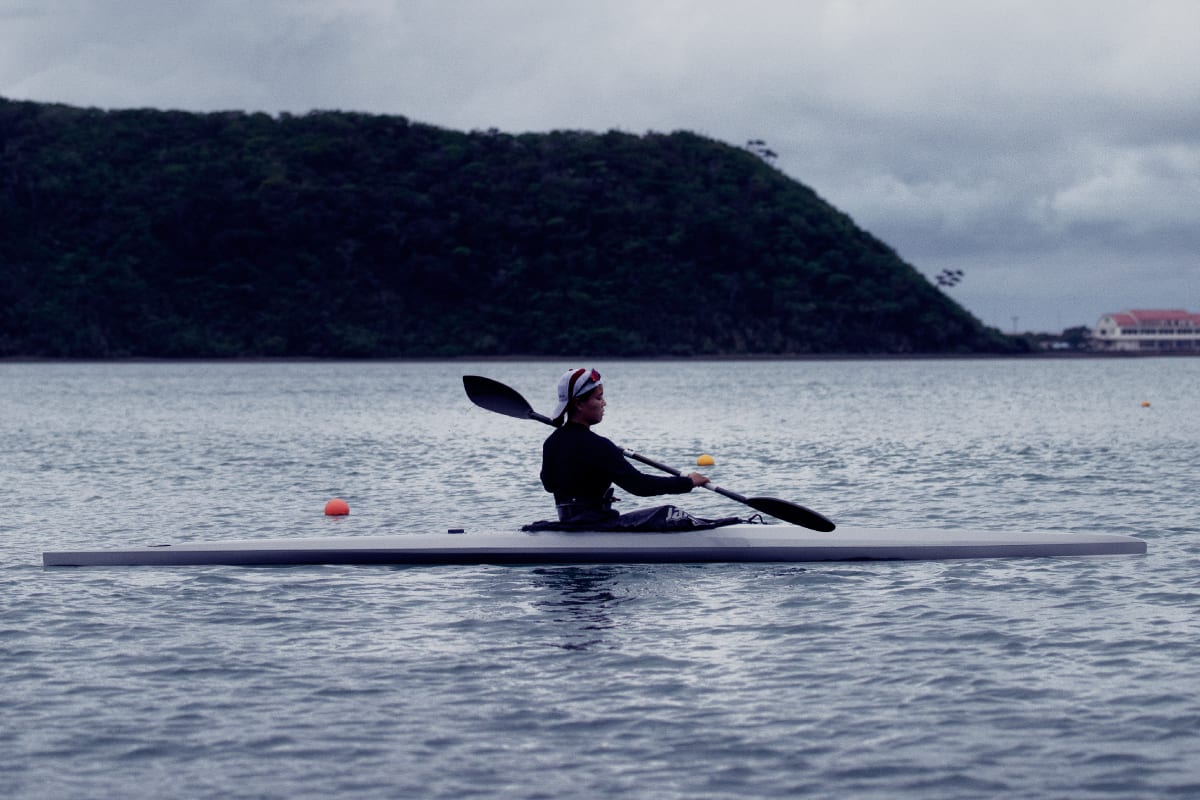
733	543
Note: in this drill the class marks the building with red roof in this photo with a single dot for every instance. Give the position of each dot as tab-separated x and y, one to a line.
1148	331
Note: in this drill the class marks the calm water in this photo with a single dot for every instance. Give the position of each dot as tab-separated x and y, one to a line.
1046	678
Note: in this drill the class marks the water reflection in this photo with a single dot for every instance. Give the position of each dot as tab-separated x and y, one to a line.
581	598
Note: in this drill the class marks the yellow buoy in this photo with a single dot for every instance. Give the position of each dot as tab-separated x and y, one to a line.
705	461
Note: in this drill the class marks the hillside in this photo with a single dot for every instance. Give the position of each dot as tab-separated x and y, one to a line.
172	234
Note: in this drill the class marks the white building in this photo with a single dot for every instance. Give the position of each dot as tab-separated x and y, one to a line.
1148	331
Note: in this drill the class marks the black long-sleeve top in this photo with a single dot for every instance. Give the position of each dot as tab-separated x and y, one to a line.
578	465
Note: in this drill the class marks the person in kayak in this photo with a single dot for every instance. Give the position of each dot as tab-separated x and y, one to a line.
579	467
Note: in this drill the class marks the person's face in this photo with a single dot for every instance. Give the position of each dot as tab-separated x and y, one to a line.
591	410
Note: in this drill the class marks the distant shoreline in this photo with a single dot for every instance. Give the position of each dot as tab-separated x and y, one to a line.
1039	356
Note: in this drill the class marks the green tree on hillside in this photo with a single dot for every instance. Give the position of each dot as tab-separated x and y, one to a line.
330	234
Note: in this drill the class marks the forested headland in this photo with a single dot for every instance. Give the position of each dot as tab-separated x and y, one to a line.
168	234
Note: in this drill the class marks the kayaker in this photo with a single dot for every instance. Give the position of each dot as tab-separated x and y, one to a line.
579	467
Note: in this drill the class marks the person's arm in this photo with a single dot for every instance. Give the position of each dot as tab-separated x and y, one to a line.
628	477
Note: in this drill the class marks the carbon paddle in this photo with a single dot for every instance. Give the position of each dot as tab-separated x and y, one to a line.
495	396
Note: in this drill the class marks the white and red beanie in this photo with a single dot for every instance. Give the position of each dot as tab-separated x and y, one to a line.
574	383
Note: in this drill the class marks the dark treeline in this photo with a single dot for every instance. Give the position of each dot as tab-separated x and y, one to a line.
171	234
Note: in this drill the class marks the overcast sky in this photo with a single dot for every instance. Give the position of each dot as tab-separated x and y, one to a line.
1049	149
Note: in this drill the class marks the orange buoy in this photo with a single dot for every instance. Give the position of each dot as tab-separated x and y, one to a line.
705	461
337	507
1145	404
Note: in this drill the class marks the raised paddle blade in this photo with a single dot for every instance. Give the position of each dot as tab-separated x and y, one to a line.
495	396
790	512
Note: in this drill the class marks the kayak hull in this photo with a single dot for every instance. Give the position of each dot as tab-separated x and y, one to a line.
730	544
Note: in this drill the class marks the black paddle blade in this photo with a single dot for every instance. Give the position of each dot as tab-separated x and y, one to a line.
495	396
790	512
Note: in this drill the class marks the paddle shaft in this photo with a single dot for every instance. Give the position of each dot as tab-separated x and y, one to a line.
683	474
